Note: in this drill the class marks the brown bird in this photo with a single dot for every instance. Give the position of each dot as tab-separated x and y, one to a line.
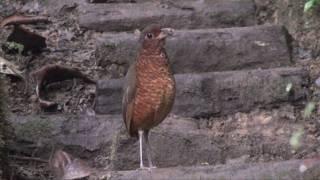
149	90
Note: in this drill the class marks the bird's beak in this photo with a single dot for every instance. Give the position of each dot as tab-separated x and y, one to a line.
165	32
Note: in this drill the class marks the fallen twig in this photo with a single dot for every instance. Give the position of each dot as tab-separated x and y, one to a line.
25	158
7	67
21	19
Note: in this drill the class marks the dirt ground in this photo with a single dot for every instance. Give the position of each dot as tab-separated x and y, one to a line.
71	47
74	47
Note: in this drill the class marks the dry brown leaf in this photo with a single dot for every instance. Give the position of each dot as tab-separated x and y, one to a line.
65	166
55	73
7	67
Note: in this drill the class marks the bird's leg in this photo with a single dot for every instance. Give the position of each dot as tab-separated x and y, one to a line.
146	136
140	142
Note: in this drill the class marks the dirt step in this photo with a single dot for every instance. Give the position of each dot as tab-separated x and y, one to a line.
218	93
289	170
177	14
104	143
116	1
207	49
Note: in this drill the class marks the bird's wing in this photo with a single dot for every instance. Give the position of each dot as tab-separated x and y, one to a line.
129	90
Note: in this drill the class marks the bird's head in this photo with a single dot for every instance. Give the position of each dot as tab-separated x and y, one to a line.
153	38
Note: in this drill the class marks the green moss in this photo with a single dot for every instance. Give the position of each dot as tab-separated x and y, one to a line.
285	175
13	46
4	128
111	46
222	178
34	129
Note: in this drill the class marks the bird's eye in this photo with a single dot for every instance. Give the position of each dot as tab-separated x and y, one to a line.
149	36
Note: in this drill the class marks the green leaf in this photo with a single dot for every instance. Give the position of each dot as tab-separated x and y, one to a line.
308	5
14	46
308	109
295	140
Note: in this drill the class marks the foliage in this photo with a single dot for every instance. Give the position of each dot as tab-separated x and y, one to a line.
310	4
13	46
310	107
296	138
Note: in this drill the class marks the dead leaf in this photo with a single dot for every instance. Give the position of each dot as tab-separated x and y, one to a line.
55	73
65	166
9	68
77	169
21	19
47	104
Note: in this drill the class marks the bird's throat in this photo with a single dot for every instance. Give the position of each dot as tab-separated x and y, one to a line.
158	58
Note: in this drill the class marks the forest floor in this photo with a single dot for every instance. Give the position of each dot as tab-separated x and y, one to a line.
72	46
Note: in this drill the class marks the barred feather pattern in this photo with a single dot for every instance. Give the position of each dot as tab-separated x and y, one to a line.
154	92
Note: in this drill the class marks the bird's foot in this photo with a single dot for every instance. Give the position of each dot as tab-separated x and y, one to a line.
142	168
152	167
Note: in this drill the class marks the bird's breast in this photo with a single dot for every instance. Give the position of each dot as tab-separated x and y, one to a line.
154	73
155	88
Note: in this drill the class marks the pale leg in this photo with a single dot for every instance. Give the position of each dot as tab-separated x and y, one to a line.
146	136
140	142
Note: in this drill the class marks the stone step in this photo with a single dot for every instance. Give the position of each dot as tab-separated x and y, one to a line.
104	143
308	169
218	93
177	14
206	50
